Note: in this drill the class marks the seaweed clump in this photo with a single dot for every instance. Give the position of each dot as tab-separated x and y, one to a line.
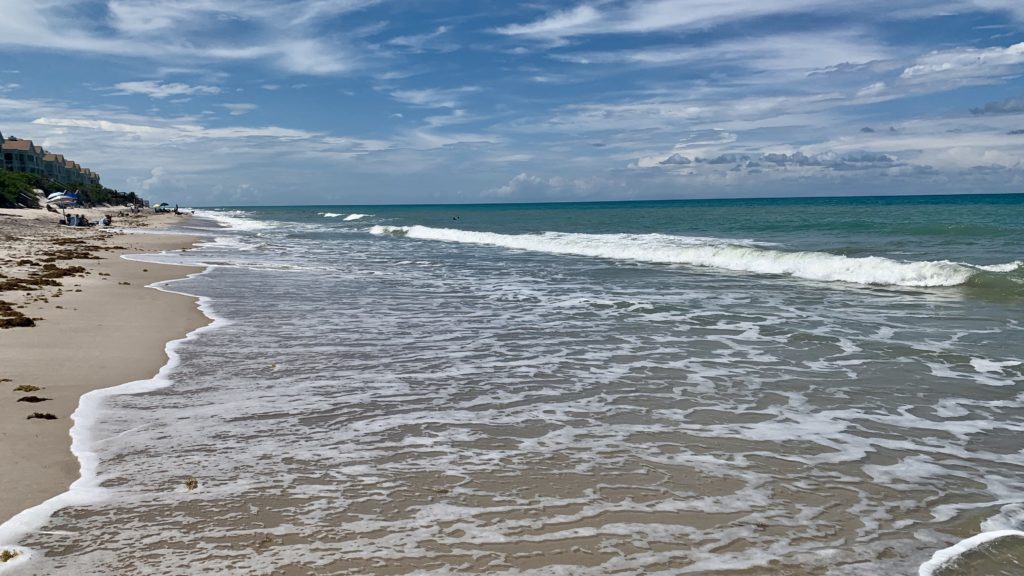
24	284
27	388
11	318
191	483
45	276
41	416
8	555
52	271
33	399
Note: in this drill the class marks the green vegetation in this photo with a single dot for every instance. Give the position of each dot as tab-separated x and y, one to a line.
96	194
16	190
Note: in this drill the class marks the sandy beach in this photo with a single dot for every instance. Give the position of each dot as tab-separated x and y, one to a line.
94	327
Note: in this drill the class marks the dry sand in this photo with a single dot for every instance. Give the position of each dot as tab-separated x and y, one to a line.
100	328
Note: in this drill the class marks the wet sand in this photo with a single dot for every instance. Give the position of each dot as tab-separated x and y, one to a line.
98	327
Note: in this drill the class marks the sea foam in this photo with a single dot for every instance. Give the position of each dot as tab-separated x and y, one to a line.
947	555
87	488
234	219
735	255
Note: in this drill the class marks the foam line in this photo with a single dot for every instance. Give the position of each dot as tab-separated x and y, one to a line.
233	219
944	556
86	489
728	254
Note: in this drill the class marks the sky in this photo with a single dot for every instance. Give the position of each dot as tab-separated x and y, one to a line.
279	102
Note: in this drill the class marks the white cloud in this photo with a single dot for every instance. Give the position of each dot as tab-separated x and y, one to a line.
433	98
425	42
237	109
457	116
646	16
557	25
156	89
426	140
802	52
284	35
155	175
126	148
965	65
525	187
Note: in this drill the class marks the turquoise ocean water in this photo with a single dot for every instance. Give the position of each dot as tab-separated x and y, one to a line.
742	387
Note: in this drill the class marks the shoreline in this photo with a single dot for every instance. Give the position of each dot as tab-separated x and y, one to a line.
100	328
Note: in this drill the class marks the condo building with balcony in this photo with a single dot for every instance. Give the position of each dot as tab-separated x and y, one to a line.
18	155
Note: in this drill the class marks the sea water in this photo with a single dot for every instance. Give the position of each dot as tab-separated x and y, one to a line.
792	387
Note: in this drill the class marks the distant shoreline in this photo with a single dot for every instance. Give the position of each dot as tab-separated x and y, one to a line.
724	200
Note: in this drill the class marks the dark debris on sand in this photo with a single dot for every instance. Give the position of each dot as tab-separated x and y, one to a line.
11	318
41	416
33	399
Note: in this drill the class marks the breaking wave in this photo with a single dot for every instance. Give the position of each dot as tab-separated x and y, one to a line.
234	219
726	254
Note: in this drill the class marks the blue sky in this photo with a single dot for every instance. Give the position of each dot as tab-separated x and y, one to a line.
262	102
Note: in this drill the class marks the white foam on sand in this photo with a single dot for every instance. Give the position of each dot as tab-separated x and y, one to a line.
86	489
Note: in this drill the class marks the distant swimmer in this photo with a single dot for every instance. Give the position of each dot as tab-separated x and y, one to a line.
455	217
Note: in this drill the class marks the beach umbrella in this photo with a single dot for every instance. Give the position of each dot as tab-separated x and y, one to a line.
61	200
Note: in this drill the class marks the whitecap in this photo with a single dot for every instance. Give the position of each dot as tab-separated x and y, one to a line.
946	555
727	254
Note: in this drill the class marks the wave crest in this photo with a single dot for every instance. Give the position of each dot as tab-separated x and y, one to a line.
726	254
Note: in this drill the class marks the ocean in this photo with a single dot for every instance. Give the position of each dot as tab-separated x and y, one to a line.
726	387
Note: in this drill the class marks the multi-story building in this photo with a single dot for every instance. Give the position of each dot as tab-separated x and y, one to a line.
74	172
19	155
53	167
22	156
